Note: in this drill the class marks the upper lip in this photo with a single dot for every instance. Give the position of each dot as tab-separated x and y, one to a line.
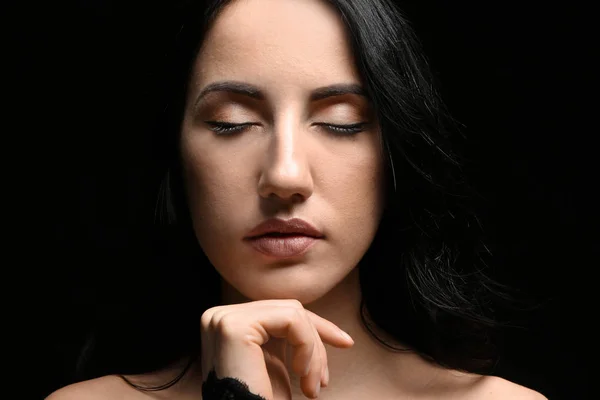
290	226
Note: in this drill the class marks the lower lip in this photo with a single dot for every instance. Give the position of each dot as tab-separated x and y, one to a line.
282	247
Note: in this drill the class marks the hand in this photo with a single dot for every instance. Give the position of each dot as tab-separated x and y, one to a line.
233	336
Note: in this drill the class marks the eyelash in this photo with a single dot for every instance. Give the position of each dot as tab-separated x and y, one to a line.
228	128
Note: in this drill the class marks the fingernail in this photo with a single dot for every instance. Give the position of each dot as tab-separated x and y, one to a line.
318	390
327	375
346	336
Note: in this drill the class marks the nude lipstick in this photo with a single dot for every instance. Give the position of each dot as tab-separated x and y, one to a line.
283	238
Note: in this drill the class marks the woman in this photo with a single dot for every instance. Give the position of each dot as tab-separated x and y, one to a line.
314	165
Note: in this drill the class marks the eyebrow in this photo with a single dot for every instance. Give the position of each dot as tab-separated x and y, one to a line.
254	92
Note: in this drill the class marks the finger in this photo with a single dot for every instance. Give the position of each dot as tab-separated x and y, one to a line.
288	323
240	317
207	344
318	371
324	376
329	332
321	352
325	361
209	322
311	383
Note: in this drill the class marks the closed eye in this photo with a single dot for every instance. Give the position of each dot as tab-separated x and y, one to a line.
229	128
350	129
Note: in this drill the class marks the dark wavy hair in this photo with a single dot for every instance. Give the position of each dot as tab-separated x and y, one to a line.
423	280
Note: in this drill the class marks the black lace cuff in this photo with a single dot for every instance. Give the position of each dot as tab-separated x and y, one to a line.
226	389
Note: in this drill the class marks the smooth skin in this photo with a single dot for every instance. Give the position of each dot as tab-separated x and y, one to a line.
270	145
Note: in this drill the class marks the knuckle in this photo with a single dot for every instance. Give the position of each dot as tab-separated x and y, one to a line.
226	325
211	318
294	316
218	317
206	318
296	303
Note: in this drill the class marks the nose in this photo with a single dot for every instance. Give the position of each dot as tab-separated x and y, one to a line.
286	172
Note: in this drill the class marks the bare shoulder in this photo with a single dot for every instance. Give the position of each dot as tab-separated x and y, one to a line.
113	387
455	384
103	388
493	387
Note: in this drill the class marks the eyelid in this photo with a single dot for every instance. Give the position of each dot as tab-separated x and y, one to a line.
344	129
227	128
354	125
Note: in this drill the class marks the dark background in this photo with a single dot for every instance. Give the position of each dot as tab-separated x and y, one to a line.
518	75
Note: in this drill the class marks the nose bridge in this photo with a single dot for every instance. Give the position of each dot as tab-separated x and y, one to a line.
287	171
285	149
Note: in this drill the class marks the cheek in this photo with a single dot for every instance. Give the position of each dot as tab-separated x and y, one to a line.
355	184
214	187
353	187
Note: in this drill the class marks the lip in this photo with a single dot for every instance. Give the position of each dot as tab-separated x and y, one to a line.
297	237
294	226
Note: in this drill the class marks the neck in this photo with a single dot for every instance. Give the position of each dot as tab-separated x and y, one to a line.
368	365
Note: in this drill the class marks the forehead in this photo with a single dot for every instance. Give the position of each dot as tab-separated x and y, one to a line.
293	42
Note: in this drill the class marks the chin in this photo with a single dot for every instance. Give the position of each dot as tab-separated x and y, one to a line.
302	293
306	284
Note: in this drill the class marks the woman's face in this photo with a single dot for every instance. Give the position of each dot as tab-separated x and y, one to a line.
261	140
